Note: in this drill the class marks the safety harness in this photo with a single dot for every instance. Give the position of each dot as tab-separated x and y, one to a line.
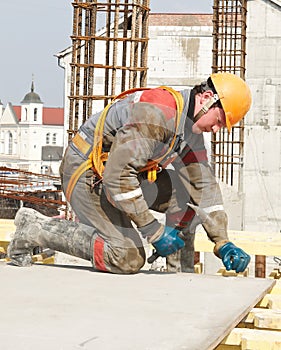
97	157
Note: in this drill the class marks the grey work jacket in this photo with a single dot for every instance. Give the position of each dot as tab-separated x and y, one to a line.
135	132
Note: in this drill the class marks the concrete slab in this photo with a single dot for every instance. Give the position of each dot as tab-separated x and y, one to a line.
63	307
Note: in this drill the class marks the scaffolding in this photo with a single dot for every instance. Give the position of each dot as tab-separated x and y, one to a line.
109	53
229	53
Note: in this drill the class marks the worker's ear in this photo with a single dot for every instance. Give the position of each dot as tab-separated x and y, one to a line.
206	95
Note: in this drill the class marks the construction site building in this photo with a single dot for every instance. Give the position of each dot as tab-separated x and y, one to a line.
189	311
180	54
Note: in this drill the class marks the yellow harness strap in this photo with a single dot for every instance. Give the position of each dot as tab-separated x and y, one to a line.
75	177
97	157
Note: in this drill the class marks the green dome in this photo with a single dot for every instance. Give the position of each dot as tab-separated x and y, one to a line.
31	97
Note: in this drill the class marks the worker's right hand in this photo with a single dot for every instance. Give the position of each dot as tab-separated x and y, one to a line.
169	242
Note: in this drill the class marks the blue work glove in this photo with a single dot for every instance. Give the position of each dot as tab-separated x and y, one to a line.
234	258
169	242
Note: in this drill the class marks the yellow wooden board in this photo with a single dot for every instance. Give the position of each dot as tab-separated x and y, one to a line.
7	228
255	243
251	339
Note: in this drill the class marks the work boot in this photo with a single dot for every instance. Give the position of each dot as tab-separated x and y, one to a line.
34	229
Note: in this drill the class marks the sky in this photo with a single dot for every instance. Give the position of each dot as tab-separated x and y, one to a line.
32	32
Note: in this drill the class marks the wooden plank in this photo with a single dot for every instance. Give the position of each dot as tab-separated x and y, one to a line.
251	339
277	288
263	318
259	340
254	243
274	301
223	272
270	319
234	337
7	227
275	274
271	301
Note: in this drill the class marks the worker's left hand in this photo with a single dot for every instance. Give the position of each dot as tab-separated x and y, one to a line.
169	242
234	258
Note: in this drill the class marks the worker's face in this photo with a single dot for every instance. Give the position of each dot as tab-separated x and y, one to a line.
213	120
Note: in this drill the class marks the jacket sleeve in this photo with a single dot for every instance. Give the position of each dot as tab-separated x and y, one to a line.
134	144
205	192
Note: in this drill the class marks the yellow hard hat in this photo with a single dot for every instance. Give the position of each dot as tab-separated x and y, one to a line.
235	96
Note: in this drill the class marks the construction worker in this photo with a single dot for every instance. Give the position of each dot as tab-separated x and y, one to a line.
144	151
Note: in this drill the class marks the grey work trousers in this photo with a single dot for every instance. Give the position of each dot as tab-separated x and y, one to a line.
122	250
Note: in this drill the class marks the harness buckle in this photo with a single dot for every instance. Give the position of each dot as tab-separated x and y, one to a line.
96	180
159	169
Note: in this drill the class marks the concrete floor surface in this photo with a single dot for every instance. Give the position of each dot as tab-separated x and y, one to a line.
64	307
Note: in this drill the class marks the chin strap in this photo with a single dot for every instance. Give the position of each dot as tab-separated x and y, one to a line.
206	107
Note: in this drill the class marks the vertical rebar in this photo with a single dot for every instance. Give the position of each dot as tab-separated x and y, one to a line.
92	50
144	44
109	53
229	43
78	66
124	48
115	49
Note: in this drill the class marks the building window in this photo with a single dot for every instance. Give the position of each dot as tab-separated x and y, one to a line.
10	144
35	114
54	141
48	138
25	114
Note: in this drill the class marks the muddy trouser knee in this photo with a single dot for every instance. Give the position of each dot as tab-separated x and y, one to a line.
118	247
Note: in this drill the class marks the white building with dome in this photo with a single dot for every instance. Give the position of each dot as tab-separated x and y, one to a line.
31	135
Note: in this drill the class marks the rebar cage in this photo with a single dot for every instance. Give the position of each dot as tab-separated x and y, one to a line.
229	54
109	54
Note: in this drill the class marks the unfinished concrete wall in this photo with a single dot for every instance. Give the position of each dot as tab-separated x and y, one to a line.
180	49
262	180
